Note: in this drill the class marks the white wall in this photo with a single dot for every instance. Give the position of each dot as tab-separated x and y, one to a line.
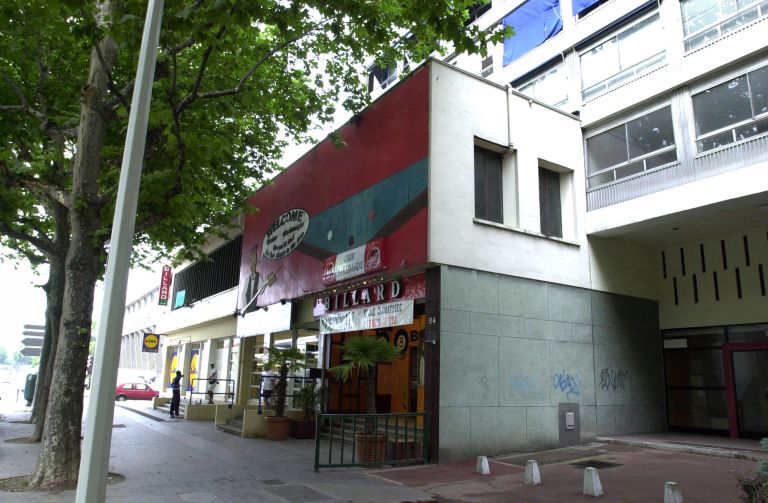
464	108
623	267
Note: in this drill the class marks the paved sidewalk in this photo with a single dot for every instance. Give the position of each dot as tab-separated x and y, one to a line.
166	460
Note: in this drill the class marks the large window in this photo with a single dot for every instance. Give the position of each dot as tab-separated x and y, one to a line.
705	20
488	193
207	278
628	54
641	144
551	87
549	203
732	111
534	22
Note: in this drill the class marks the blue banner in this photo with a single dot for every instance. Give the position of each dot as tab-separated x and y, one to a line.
580	5
533	22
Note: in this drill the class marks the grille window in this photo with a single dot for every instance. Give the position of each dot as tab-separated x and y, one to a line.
205	279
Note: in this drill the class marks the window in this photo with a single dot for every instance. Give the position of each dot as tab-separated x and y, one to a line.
551	87
732	111
584	7
631	53
549	203
706	20
488	193
381	77
477	10
534	22
641	144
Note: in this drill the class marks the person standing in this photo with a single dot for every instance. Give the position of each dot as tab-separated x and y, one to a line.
268	387
212	382
176	397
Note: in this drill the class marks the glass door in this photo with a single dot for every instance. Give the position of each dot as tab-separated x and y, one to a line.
750	381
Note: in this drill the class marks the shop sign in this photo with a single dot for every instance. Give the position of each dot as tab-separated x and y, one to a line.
165	286
370	294
285	233
150	344
390	314
364	259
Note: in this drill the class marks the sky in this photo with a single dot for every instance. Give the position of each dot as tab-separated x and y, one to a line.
23	302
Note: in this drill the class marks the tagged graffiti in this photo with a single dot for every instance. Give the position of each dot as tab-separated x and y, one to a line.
521	384
566	383
613	379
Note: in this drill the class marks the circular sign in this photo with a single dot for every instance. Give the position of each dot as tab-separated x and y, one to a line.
285	233
401	340
150	341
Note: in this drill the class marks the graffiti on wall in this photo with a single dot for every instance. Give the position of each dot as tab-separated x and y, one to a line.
521	384
613	379
566	383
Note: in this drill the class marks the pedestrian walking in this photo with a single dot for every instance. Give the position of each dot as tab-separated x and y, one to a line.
212	382
176	397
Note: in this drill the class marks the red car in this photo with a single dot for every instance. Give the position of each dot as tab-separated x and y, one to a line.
134	391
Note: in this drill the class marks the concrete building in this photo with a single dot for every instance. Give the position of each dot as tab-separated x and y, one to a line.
566	238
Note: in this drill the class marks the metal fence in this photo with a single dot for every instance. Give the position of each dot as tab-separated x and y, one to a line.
345	440
200	387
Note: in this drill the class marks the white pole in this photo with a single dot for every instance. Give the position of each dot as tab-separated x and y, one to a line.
94	461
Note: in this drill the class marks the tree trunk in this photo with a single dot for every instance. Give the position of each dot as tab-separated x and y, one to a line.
59	460
370	397
54	301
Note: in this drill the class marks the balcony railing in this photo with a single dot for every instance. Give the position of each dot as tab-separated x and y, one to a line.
732	157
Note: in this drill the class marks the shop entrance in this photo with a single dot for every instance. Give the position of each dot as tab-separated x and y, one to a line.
746	366
717	380
400	384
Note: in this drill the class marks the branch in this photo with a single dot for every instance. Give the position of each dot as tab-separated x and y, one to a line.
110	81
189	98
45	245
25	106
34	184
239	87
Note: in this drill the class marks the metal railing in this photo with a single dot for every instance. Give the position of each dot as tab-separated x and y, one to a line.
202	383
288	396
366	440
703	165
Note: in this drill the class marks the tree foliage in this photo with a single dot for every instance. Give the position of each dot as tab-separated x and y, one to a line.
233	81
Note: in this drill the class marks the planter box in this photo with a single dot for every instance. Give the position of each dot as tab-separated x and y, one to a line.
303	428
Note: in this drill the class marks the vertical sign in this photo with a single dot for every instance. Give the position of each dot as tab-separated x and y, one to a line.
165	286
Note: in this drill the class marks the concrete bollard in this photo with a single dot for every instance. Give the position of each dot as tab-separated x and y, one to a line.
672	493
592	486
532	477
482	465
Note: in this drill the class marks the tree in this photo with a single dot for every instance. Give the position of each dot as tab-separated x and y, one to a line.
233	80
3	356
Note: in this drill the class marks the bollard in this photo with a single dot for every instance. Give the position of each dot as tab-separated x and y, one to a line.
672	493
592	486
532	477
482	465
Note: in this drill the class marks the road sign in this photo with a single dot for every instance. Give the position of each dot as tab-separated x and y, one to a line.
32	342
31	351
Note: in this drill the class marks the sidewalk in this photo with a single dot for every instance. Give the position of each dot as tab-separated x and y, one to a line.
166	460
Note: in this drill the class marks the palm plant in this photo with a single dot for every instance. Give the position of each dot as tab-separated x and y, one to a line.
283	360
364	354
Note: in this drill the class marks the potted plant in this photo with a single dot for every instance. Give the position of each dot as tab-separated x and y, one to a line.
364	354
308	400
281	360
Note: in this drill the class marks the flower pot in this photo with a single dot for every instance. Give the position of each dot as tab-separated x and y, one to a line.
304	428
278	427
370	448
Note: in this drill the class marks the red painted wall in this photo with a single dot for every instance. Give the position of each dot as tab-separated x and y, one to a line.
374	186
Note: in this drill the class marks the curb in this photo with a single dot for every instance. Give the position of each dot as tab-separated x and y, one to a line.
689	449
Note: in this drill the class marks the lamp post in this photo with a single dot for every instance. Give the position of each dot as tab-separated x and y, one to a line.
94	461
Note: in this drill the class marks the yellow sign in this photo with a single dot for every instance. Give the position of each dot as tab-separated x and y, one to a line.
151	342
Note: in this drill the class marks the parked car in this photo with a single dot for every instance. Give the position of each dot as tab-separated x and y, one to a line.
134	391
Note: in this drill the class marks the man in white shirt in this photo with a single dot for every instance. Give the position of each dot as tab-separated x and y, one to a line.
212	382
268	380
